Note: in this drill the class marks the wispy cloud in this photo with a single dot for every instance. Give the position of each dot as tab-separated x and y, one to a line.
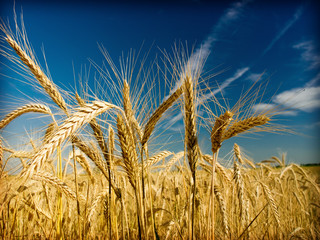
313	81
238	74
230	16
222	28
289	24
309	54
255	76
294	100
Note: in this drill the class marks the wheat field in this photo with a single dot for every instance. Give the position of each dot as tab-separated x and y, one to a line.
97	170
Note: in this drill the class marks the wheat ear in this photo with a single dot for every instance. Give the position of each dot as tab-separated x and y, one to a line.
93	154
71	124
223	210
37	108
52	127
109	162
97	131
191	139
54	181
237	153
44	81
157	158
271	201
240	191
218	129
158	113
245	125
127	106
128	150
1	158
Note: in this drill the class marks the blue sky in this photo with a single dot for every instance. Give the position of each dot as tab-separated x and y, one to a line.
241	39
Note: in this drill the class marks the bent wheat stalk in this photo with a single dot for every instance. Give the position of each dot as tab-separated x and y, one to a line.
72	124
36	108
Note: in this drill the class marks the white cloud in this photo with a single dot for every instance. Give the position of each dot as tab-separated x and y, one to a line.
269	107
255	77
295	17
309	54
304	99
313	81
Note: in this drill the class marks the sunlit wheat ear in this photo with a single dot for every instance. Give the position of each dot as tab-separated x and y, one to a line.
127	105
190	124
155	117
111	147
271	201
37	108
96	158
54	181
35	69
85	165
52	127
128	150
94	205
219	168
245	125
157	158
223	209
240	191
1	159
237	153
97	131
218	129
69	127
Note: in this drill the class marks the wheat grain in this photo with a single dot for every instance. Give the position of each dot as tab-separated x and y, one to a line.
37	108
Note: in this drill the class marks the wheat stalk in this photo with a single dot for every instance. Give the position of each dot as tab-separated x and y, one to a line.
44	81
240	191
68	128
37	108
191	139
1	157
